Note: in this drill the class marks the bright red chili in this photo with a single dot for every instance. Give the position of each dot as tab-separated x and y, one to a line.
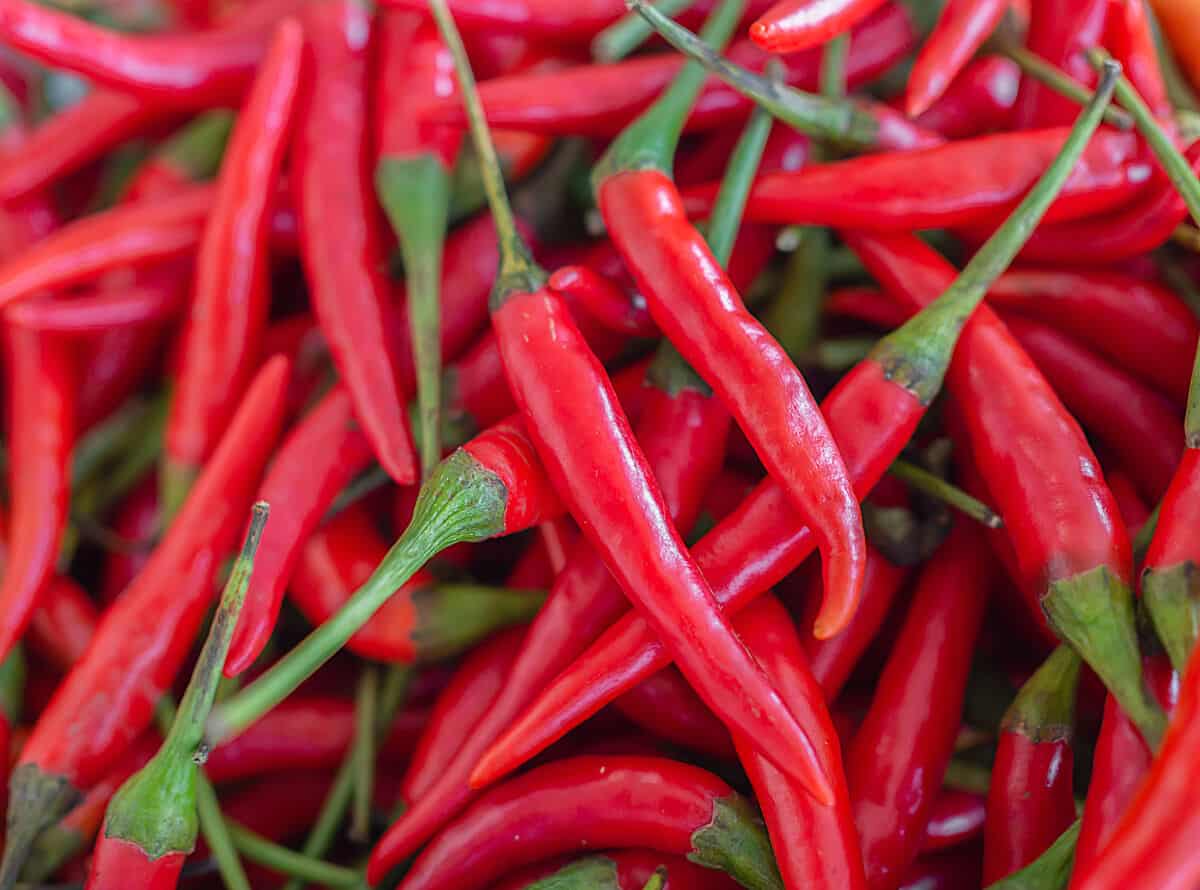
666	707
798	24
1060	31
962	28
620	870
981	99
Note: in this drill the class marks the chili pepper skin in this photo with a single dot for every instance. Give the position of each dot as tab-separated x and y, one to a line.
603	298
1060	31
117	862
63	623
531	17
230	302
981	99
962	28
955	818
900	752
340	241
200	70
1031	800
1137	324
1169	572
1140	425
666	707
956	184
108	697
601	99
41	421
101	311
618	870
792	25
1130	38
597	802
317	459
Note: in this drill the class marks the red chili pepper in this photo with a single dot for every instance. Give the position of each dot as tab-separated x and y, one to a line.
955	818
548	18
601	99
666	707
792	25
1139	424
1152	844
317	459
63	623
604	300
950	870
41	423
956	184
1129	36
981	99
102	310
191	154
136	520
1119	766
109	696
598	802
231	299
1061	32
900	752
1138	324
1031	800
620	870
340	240
197	69
961	30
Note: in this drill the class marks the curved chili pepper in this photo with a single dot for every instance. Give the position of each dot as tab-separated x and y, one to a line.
955	818
601	99
956	184
548	18
190	155
1140	325
231	299
41	421
980	99
1119	766
63	623
900	752
666	707
598	802
197	69
1139	424
339	238
108	697
1129	36
605	301
873	409
792	25
962	28
151	823
682	430
102	310
1060	31
1031	800
1152	845
317	459
492	486
697	308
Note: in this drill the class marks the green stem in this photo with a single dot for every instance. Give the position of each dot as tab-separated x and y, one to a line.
794	317
197	147
837	121
1172	597
259	850
1051	870
1054	78
935	486
964	776
1044	709
452	618
362	753
630	31
649	143
12	685
460	502
1187	236
519	273
372	480
658	880
917	354
843	353
833	67
1178	170
216	834
1191	418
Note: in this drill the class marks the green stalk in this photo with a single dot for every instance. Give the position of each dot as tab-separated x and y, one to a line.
836	121
1054	78
920	479
12	685
833	67
258	849
794	317
216	834
362	753
630	31
1044	709
1051	870
197	147
649	143
658	880
1187	236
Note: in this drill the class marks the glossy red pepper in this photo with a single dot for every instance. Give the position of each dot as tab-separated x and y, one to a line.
548	18
108	697
955	818
63	623
596	802
101	311
1129	36
339	234
981	99
317	459
961	30
899	754
1031	799
231	299
666	707
1060	31
798	24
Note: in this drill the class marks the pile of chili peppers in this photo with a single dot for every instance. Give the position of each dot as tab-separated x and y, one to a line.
677	445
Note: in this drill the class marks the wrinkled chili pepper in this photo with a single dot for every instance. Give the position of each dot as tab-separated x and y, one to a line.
231	299
1031	800
899	754
108	697
962	28
798	24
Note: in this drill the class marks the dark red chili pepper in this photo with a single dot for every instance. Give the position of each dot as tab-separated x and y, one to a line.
1130	504
595	803
101	310
619	870
696	306
1061	32
190	155
108	697
900	752
41	421
956	184
231	298
317	459
604	300
1140	325
955	818
873	409
666	707
601	99
136	520
63	623
1139	424
791	25
151	823
981	99
950	870
1119	766
339	235
1031	800
548	18
197	69
962	28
